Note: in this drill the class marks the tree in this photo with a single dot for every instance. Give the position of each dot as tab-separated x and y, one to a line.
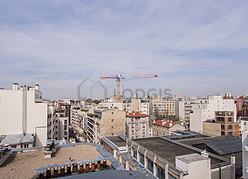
96	101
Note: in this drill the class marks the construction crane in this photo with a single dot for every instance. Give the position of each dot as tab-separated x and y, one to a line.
119	77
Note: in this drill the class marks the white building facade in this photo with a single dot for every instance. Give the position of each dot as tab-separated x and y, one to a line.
204	109
23	111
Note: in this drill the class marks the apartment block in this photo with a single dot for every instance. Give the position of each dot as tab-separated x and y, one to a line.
137	125
243	124
163	127
204	109
23	112
226	119
106	122
164	107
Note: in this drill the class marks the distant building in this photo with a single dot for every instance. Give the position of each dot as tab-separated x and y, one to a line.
107	122
243	124
228	126
164	107
163	127
137	125
204	109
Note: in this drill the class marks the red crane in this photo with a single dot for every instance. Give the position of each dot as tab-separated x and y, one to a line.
119	77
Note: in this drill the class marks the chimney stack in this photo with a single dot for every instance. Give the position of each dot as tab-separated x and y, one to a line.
37	87
15	86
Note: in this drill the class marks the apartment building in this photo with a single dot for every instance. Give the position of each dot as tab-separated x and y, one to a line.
24	112
226	119
52	121
243	124
107	122
137	125
163	127
110	105
204	109
164	107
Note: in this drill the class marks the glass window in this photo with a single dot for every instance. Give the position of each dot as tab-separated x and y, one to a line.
230	127
142	161
229	119
150	165
161	173
134	153
171	177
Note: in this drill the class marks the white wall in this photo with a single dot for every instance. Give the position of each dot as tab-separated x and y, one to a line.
204	109
11	115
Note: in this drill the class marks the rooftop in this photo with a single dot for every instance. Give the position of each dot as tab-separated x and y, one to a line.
16	139
136	114
173	149
191	158
25	164
117	141
223	146
167	124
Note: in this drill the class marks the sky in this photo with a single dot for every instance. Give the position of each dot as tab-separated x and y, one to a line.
196	47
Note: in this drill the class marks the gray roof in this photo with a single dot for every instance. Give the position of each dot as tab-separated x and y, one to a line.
17	139
191	158
226	146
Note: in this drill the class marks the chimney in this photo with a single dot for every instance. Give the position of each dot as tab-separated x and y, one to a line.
37	87
15	86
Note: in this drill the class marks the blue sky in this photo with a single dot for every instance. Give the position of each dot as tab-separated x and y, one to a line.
196	47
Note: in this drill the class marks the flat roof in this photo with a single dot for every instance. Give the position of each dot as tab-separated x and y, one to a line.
117	141
168	149
25	164
196	141
191	158
17	139
218	141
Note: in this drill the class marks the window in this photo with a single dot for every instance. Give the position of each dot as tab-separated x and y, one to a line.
222	127
65	121
222	133
229	119
112	120
25	145
65	127
112	127
142	161
65	133
150	165
230	127
229	133
134	153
